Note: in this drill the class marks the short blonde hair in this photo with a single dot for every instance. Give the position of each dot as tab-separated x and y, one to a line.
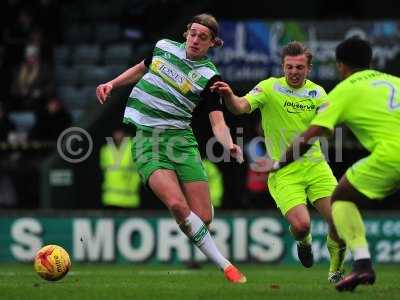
211	23
296	48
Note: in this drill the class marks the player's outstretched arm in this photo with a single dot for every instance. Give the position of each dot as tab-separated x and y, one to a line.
301	144
236	105
132	75
223	135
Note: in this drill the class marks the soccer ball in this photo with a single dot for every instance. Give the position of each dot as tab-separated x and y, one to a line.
52	262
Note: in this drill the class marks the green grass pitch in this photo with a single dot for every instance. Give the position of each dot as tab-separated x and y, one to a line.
100	281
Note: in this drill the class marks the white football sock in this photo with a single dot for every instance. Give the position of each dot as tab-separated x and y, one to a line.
198	233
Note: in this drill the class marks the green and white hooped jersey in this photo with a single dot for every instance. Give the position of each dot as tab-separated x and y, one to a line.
167	94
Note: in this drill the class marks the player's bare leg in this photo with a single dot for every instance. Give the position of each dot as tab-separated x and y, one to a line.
198	197
166	187
299	220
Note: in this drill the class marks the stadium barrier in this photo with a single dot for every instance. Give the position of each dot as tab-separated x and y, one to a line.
147	237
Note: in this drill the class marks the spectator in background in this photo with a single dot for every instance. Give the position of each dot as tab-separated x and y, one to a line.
256	176
215	183
121	181
6	125
16	33
16	26
33	82
51	121
4	77
8	196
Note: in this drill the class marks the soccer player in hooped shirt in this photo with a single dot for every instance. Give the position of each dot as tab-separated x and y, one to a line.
287	105
368	102
170	84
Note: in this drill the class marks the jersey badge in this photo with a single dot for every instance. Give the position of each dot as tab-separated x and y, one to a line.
312	93
194	76
255	91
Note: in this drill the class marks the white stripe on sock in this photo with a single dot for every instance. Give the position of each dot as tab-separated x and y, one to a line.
207	245
361	253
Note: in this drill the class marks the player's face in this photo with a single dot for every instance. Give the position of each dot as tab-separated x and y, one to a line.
296	70
341	70
198	40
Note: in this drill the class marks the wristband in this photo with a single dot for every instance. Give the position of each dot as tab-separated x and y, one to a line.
276	166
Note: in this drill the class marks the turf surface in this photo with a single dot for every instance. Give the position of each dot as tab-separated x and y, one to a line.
92	282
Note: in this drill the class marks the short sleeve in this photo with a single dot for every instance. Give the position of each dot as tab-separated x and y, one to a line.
212	100
332	111
257	97
149	57
322	97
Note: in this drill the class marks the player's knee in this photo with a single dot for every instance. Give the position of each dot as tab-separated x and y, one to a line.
206	217
207	220
301	228
179	210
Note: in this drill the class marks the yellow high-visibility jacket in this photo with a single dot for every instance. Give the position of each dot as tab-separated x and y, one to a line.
121	181
215	183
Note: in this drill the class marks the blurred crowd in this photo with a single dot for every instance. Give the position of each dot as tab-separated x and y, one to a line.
31	113
52	55
29	32
45	88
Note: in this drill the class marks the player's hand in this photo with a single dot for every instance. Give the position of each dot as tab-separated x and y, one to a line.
274	166
103	91
222	88
236	153
263	165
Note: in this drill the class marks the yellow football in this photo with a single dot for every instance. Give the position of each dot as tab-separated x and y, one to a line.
52	262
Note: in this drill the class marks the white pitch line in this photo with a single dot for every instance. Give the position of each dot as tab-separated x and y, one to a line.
105	273
145	273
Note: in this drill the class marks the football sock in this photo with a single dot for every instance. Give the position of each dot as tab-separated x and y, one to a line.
350	228
198	233
336	253
307	240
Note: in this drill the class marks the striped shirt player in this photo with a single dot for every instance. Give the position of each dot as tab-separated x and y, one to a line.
161	106
166	95
170	84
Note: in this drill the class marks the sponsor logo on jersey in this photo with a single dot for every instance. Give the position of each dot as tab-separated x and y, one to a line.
171	74
299	107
